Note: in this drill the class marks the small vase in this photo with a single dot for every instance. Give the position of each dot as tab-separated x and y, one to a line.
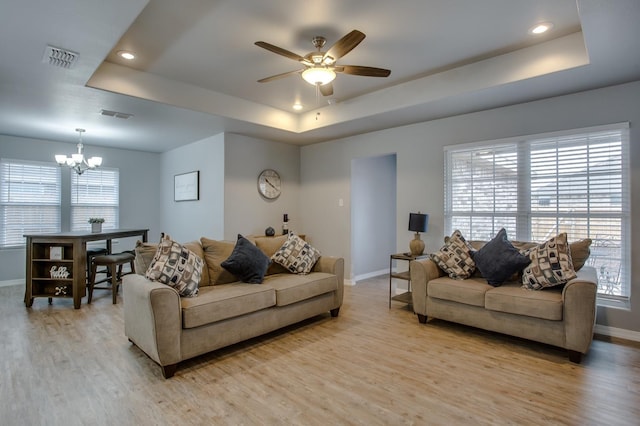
96	228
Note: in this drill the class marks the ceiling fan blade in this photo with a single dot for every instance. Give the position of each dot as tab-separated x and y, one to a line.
343	46
365	71
281	51
326	89
277	76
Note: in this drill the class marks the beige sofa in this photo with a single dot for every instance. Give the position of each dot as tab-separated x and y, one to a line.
170	329
561	316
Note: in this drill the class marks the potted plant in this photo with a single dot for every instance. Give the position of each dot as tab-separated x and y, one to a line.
96	224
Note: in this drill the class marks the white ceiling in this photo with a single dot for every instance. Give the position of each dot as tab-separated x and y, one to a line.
197	67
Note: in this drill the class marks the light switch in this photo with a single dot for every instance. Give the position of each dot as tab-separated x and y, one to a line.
340	202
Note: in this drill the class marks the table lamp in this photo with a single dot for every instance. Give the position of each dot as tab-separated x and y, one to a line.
418	223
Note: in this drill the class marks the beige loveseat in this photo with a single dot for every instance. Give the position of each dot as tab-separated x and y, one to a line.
562	316
170	328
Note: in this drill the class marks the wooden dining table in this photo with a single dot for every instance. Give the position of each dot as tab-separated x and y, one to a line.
56	262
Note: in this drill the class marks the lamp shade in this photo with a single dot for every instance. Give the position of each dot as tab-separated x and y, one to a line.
318	75
418	222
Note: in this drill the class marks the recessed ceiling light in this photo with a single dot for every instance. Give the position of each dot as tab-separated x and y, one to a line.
297	106
540	28
126	55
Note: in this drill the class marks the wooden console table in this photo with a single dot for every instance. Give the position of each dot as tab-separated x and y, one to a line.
71	254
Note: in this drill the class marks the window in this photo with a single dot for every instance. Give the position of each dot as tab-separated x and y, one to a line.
29	200
95	193
539	186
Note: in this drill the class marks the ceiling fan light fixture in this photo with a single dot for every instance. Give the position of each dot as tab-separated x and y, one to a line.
318	75
328	60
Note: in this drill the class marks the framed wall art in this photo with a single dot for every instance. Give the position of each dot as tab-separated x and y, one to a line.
186	186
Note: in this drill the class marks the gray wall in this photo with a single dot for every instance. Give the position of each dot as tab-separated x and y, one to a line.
139	189
229	203
245	211
315	177
325	167
373	214
190	220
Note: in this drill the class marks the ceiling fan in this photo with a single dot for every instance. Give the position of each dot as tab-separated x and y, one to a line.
320	67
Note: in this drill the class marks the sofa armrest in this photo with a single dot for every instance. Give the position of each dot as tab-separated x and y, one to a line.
421	272
152	318
332	265
579	304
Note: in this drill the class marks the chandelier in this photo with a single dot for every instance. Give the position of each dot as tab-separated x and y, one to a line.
77	162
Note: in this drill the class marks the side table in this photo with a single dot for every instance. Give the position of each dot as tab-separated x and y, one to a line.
405	275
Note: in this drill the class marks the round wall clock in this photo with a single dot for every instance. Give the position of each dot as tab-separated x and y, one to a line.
269	184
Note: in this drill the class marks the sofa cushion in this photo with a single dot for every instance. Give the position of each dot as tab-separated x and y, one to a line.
145	252
580	251
513	299
176	266
270	245
247	262
550	265
296	255
216	252
470	291
291	288
454	257
498	260
220	302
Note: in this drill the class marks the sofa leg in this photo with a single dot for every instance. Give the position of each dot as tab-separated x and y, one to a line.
335	312
422	318
575	356
168	370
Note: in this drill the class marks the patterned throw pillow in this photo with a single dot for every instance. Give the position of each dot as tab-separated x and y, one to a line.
176	266
550	265
296	255
454	257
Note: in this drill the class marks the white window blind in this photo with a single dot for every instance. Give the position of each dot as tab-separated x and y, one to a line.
29	200
537	187
95	193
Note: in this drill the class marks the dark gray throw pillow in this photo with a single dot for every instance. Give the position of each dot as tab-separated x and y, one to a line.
499	259
247	262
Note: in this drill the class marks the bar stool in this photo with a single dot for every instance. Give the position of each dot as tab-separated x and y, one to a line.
111	261
91	253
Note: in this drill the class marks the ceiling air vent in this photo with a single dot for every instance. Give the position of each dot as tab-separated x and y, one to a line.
116	114
59	57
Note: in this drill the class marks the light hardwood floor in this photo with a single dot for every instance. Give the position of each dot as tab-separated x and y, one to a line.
370	366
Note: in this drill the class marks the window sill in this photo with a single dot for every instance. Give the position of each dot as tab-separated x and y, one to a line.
607	302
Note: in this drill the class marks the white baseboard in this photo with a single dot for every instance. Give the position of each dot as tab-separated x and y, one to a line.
8	283
617	332
370	275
